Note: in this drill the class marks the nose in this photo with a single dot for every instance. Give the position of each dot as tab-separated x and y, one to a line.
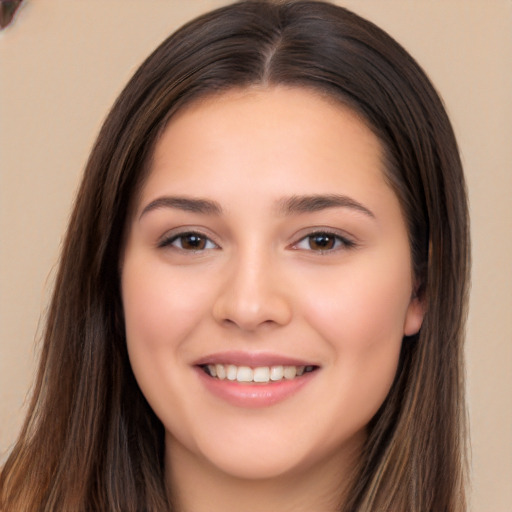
253	295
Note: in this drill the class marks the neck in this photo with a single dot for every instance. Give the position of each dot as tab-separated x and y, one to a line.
195	485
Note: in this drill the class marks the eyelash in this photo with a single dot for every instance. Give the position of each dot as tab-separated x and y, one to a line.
340	242
170	240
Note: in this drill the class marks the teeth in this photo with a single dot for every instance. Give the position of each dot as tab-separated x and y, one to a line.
290	372
276	373
231	372
261	374
244	374
220	371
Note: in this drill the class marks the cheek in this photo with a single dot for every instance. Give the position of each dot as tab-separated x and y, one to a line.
361	313
362	305
160	310
160	307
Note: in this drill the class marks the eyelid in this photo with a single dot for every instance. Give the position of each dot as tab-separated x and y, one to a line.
166	241
343	240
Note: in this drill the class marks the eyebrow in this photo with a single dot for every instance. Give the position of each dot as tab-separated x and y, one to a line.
287	206
316	203
202	206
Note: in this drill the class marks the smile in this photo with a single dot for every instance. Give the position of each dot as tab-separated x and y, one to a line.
258	375
254	380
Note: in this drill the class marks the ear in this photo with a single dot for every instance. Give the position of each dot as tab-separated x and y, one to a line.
414	316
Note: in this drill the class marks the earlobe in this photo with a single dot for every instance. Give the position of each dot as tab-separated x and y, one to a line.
414	316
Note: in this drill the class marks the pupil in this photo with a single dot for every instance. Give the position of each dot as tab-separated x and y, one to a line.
193	242
322	242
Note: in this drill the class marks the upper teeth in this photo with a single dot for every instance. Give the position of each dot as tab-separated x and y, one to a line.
261	374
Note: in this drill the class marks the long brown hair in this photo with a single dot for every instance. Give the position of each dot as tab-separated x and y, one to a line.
90	440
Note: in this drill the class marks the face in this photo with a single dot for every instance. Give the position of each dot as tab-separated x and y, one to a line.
266	283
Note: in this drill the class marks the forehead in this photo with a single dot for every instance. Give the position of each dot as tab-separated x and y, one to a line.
271	106
267	128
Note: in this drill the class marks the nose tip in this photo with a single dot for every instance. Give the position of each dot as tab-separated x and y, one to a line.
249	315
253	298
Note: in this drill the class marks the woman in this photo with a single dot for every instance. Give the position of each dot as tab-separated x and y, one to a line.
262	292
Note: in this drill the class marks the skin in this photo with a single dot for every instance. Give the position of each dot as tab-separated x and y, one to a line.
261	284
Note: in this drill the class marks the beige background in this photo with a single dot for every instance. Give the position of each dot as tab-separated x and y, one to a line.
62	63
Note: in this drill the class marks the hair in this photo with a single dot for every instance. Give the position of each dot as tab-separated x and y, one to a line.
90	440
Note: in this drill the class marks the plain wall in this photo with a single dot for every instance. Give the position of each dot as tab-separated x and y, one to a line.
63	63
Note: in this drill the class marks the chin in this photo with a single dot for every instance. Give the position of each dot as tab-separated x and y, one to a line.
260	468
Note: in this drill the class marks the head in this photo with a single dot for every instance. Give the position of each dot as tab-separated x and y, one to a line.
309	46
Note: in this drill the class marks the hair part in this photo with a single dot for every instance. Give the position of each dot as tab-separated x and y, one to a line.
90	440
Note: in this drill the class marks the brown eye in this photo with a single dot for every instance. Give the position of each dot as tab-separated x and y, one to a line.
189	242
322	242
193	242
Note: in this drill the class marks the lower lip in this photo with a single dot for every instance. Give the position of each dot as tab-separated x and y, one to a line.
254	395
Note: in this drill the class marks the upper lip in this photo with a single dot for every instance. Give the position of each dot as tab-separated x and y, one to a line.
252	359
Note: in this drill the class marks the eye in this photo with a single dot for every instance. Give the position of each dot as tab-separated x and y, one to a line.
189	241
323	241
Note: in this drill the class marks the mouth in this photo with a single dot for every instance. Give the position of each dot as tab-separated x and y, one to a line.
256	375
254	380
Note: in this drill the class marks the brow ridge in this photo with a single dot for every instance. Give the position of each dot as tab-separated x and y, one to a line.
188	204
318	202
288	206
